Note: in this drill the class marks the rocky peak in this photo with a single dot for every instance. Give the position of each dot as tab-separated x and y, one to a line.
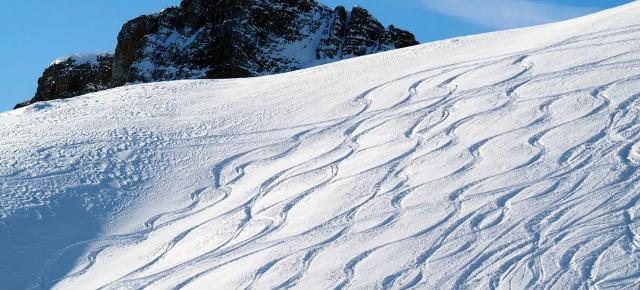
225	39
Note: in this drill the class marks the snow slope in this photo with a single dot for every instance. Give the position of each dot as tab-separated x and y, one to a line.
503	160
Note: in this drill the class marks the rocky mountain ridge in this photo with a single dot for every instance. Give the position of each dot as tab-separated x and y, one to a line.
223	39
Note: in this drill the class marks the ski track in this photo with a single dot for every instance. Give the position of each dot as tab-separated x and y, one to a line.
427	179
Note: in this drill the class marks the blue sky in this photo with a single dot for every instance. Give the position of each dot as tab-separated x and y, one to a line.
35	32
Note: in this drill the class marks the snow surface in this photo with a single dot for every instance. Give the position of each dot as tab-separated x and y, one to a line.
503	160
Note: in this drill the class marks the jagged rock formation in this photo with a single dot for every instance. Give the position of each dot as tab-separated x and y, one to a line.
225	39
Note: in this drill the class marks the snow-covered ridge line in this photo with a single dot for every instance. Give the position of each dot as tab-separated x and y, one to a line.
82	58
503	160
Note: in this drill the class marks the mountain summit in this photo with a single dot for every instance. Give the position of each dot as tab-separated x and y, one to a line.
223	39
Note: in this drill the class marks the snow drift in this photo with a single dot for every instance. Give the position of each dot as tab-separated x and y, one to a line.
503	160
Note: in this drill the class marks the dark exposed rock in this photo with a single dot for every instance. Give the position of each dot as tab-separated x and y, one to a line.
226	39
130	40
73	76
330	46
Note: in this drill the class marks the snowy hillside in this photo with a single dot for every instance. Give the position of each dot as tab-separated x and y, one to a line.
504	160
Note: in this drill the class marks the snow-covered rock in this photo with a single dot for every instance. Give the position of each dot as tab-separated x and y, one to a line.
82	58
502	160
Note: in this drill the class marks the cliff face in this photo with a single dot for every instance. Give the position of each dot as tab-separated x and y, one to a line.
226	39
241	38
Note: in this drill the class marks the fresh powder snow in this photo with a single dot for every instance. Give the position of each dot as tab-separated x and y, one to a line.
502	160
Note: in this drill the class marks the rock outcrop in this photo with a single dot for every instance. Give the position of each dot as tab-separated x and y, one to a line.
225	39
73	76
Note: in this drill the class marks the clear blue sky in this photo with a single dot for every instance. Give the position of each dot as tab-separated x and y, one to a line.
35	32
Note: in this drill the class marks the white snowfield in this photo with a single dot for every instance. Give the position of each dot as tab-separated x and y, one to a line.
505	160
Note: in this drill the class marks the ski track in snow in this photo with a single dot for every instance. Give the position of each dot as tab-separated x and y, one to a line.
515	170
